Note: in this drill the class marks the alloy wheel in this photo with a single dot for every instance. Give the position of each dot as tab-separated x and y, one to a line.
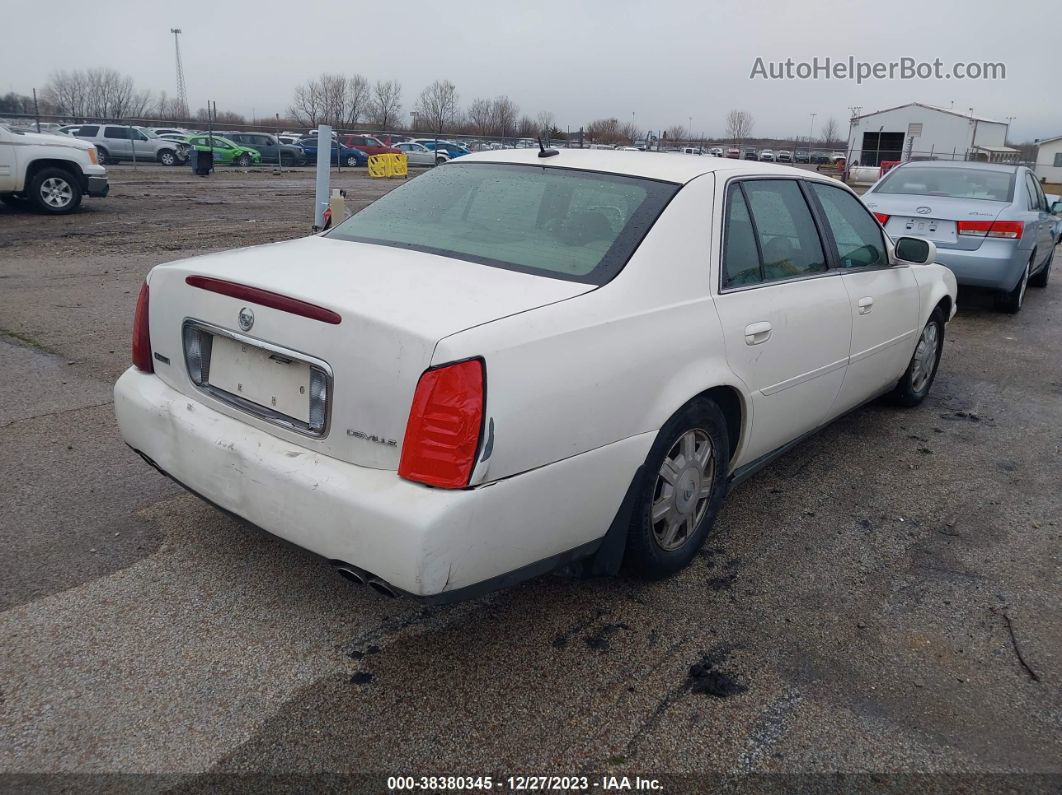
56	192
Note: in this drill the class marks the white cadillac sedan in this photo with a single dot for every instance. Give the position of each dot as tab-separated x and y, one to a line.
526	361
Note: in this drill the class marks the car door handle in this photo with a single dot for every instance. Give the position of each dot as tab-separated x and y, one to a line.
865	305
755	333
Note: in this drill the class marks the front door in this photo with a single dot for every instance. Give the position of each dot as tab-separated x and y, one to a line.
883	297
785	317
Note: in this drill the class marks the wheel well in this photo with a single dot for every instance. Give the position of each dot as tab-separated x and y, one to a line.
945	307
71	168
730	402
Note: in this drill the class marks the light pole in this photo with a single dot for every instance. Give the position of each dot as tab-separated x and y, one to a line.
1006	132
811	135
690	133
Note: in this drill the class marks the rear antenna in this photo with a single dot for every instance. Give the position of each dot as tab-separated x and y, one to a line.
543	151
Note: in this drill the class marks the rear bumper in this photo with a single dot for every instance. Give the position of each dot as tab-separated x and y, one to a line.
997	264
431	543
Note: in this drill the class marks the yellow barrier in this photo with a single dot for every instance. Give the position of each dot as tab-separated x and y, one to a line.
388	166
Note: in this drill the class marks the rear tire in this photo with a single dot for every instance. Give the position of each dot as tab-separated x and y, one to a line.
54	191
1012	301
917	380
1040	279
682	490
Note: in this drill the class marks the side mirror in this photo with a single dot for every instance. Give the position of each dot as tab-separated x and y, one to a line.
915	250
1056	208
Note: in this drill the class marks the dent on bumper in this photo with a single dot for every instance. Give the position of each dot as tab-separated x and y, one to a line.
420	540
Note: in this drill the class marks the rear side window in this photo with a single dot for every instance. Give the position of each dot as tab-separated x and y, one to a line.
88	131
741	258
856	234
789	242
116	132
558	222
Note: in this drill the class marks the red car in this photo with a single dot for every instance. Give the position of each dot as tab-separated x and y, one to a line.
368	145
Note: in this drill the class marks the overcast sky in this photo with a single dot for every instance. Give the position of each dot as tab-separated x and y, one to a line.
662	61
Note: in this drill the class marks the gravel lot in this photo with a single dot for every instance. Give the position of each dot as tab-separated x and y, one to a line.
884	599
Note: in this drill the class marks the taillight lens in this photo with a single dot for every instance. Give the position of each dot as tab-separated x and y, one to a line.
141	335
1010	230
445	423
882	218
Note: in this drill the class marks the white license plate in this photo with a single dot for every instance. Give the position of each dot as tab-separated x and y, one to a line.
930	228
262	377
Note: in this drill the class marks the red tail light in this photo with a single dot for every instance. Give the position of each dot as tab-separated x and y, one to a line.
1011	230
141	336
445	422
882	218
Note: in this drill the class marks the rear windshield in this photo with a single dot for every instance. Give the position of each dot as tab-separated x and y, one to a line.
566	224
957	183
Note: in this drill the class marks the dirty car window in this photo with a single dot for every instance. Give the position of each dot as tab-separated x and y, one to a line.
563	223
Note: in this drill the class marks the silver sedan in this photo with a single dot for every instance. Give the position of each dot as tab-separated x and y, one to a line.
991	223
420	155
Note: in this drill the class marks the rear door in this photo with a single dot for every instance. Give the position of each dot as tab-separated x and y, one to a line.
884	297
116	139
1045	222
785	316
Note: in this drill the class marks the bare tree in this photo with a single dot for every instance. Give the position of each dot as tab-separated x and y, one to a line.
739	124
527	127
68	91
830	131
333	93
386	103
547	122
307	107
436	106
677	132
98	92
480	115
169	108
503	113
630	132
358	95
604	131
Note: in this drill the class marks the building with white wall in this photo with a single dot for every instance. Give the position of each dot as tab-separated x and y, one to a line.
924	132
1049	159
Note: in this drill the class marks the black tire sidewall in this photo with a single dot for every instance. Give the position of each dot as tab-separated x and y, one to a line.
102	157
34	193
644	556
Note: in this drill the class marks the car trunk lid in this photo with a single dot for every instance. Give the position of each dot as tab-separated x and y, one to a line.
393	305
934	217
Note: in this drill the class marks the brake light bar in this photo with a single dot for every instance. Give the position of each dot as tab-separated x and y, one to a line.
1010	230
883	218
267	298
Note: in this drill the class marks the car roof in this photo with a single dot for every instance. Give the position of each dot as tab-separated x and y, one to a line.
1004	167
665	166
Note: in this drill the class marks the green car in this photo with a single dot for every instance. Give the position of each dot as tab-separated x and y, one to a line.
225	151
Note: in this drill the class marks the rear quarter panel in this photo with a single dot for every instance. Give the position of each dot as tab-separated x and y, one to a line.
611	364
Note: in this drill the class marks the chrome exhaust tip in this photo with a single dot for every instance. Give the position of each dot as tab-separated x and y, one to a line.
350	573
380	586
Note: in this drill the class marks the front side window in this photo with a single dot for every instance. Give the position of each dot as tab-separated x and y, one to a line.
558	222
858	238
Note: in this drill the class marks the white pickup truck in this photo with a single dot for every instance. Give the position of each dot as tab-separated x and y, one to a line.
49	172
